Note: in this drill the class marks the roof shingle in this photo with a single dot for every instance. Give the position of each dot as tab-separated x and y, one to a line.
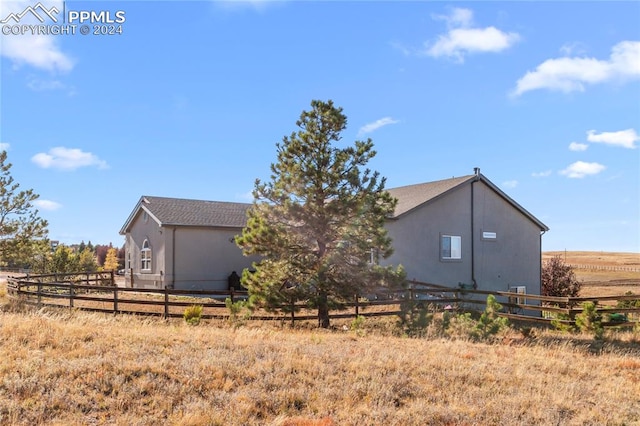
412	196
185	212
179	211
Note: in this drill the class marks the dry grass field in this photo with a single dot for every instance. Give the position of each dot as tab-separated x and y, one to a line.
612	273
62	367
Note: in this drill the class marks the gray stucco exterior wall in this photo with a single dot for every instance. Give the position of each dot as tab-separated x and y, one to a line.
183	258
204	258
145	228
509	259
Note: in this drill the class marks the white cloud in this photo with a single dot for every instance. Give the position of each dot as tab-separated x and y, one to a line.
578	147
39	85
4	146
510	184
47	205
402	48
462	39
624	138
459	17
257	5
368	128
572	74
575	48
67	159
39	51
545	173
580	169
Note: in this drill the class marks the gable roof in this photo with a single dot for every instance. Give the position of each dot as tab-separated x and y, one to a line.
184	212
412	196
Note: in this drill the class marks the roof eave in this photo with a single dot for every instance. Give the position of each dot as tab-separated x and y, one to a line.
139	206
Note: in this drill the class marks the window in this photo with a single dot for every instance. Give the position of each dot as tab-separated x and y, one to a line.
517	300
521	289
450	247
145	256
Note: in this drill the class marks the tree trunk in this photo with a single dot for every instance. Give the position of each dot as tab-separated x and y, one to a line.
323	310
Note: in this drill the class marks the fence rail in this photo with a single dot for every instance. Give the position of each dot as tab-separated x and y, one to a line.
87	291
617	268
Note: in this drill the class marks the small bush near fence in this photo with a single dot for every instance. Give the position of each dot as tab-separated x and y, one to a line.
193	314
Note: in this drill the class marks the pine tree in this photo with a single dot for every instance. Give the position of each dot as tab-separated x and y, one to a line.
23	233
319	221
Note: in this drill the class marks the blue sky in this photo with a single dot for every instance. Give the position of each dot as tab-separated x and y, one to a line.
191	98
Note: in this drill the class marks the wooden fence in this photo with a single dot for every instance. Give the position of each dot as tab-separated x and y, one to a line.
98	292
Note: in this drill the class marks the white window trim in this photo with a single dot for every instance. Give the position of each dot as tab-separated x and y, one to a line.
145	256
520	289
455	251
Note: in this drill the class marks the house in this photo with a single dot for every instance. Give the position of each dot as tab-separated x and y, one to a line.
459	230
465	231
183	244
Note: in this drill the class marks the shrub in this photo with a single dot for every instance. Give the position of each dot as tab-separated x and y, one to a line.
590	321
628	303
558	279
561	326
462	326
414	318
193	314
488	325
357	323
239	311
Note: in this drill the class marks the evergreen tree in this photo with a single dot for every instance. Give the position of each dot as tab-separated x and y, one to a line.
63	260
319	221
86	261
23	233
66	261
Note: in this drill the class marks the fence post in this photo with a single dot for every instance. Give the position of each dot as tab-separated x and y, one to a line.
71	293
115	300
293	313
39	294
166	302
357	306
113	278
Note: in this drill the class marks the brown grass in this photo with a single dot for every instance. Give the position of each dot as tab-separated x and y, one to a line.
62	367
603	282
77	368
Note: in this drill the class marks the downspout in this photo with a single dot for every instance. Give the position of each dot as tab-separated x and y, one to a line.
173	257
540	260
476	171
